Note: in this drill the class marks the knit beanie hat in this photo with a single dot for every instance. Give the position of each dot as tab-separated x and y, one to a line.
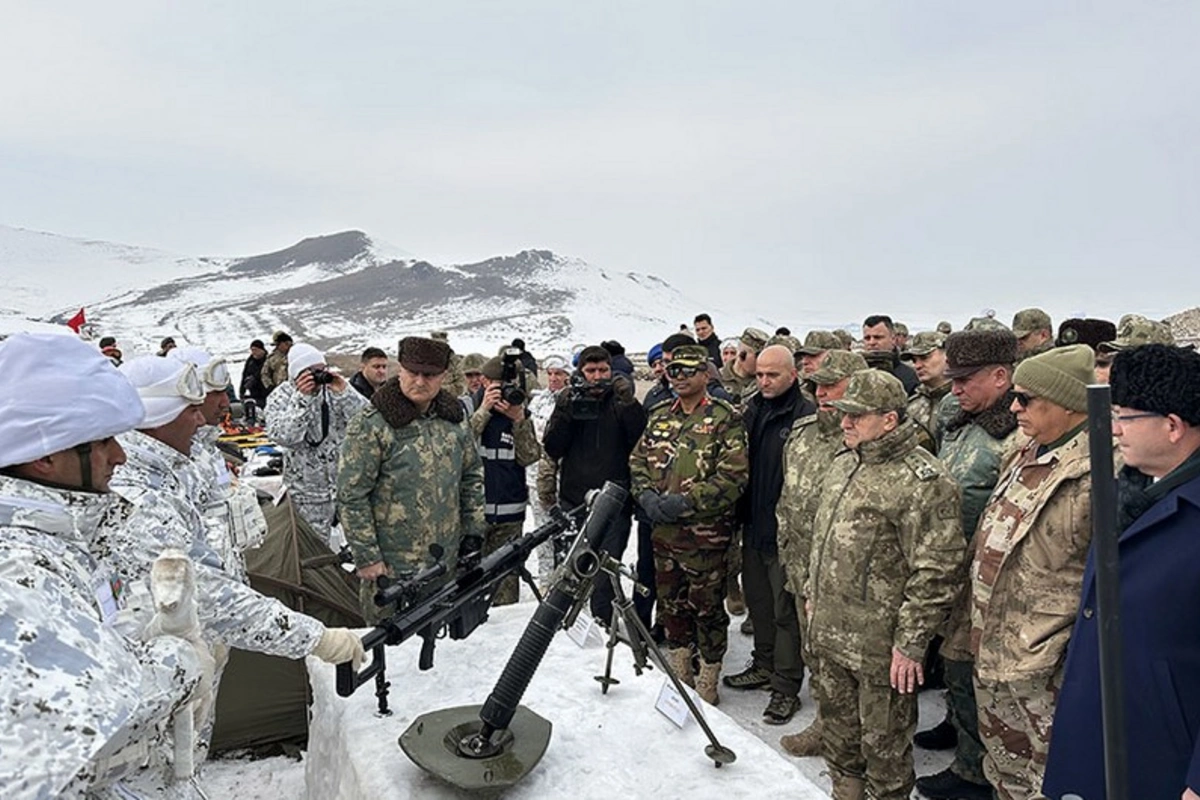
1060	375
301	357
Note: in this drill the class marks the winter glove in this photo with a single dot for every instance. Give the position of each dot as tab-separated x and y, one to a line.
672	506
470	553
649	501
339	645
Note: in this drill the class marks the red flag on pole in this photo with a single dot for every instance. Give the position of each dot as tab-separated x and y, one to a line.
76	322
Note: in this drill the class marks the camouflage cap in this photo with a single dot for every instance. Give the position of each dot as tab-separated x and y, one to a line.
945	327
755	339
430	356
441	336
900	329
844	337
1135	330
837	365
817	342
1028	320
924	343
986	323
872	390
790	342
472	363
690	355
969	351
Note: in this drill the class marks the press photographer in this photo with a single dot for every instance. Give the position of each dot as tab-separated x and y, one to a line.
594	427
507	445
306	417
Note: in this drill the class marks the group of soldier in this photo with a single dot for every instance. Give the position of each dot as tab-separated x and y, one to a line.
880	505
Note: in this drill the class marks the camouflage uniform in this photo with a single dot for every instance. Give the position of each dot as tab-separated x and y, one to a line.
1030	320
407	480
1030	552
295	422
275	371
886	556
84	705
232	518
701	456
740	387
922	409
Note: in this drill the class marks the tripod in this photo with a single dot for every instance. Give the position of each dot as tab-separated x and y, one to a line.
633	633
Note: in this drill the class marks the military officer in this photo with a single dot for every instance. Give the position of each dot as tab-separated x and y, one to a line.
926	352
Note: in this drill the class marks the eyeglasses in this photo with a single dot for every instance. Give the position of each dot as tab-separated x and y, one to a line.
1023	399
215	375
1123	418
187	386
682	370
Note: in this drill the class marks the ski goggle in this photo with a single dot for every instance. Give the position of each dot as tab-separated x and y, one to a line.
187	385
215	375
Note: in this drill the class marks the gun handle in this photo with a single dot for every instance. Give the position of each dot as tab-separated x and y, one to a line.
348	680
426	659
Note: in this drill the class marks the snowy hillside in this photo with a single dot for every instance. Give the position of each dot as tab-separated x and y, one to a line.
342	292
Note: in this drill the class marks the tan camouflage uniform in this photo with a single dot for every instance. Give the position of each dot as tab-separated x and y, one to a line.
886	557
405	481
275	370
1030	552
703	457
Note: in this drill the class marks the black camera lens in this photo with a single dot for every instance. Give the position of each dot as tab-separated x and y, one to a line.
512	394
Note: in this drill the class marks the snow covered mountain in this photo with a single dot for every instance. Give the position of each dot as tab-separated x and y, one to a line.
342	292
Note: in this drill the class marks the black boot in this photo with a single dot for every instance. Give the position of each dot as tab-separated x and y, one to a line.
942	736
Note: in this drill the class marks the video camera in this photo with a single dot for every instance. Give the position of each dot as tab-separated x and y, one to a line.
512	378
587	398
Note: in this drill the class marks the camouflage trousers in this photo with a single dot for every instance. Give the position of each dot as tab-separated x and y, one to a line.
691	599
807	656
318	514
960	708
1015	718
867	729
499	534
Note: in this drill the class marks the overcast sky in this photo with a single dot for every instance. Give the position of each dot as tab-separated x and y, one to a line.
815	159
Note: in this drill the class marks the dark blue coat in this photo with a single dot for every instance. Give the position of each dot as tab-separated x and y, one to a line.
1160	628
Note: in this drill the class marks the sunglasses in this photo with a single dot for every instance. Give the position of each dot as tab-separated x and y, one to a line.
682	370
1023	399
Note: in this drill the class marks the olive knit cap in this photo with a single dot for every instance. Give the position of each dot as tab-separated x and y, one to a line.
1060	375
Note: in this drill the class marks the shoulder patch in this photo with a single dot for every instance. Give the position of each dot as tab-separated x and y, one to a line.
804	421
664	401
920	466
725	404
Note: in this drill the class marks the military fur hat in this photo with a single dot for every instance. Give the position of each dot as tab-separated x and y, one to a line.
872	390
790	342
924	343
817	342
1158	378
690	355
971	350
1085	331
1134	330
1060	375
754	339
837	365
473	362
1028	320
418	354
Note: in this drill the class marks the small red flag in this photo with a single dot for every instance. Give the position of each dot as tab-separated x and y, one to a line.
76	322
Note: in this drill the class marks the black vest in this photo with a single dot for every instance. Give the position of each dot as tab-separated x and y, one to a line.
505	492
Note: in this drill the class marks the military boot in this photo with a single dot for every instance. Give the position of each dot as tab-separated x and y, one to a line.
806	743
707	680
847	788
679	659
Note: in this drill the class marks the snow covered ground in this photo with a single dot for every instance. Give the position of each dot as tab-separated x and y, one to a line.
284	779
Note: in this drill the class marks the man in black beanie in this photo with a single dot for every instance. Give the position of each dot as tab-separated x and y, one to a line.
1156	421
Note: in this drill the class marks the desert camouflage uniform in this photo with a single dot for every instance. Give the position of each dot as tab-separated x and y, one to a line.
972	449
162	515
922	409
702	456
886	557
310	459
275	370
1026	576
84	706
401	489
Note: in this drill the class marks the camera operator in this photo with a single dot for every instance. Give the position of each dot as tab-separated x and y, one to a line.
507	445
306	417
594	427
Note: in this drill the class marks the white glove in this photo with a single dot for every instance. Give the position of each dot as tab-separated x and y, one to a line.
339	645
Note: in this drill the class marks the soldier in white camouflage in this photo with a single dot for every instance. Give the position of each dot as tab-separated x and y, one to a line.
84	705
927	356
410	474
810	448
160	513
688	470
307	418
1030	551
978	428
886	557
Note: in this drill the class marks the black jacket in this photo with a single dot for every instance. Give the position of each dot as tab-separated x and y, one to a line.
768	423
364	387
252	381
592	451
891	363
713	343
